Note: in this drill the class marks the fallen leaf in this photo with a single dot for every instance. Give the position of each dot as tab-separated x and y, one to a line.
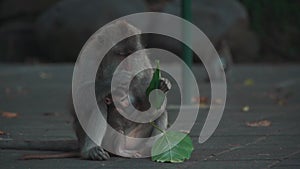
262	123
9	115
44	75
249	82
202	101
245	108
2	133
281	102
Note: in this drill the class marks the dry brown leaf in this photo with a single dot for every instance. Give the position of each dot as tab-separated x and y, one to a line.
2	133
9	115
200	100
262	123
203	100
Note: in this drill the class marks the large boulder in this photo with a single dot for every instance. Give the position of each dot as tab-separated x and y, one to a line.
17	42
63	29
20	9
17	28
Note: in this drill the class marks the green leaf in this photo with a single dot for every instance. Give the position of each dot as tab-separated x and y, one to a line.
157	97
154	84
174	147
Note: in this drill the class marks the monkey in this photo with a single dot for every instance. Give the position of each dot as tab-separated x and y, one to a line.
136	96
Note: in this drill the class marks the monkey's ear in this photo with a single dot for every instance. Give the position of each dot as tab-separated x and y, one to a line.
108	100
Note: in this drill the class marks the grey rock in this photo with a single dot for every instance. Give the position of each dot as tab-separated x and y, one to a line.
17	29
63	29
20	9
17	42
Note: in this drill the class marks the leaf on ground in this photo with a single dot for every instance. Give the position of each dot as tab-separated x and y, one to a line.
245	108
262	123
2	133
44	75
281	101
174	147
9	115
249	82
202	101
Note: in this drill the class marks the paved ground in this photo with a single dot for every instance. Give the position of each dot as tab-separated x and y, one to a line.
39	94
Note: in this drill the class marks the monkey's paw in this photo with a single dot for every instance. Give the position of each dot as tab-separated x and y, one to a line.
98	153
165	85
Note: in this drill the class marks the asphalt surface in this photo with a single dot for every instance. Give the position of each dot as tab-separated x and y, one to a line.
260	127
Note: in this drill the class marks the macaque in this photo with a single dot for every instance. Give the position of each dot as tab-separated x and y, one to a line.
136	95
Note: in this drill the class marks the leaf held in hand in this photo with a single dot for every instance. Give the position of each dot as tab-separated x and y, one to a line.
174	147
154	84
158	97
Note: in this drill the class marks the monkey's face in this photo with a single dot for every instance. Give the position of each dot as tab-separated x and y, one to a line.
120	52
125	48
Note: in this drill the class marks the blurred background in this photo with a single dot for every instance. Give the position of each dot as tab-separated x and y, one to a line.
35	31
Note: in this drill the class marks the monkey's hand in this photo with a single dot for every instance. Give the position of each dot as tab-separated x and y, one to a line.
165	85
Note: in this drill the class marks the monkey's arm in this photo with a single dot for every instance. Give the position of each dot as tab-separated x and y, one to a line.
93	123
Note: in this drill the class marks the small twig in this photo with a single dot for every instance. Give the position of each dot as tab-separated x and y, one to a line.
282	159
236	147
50	156
155	126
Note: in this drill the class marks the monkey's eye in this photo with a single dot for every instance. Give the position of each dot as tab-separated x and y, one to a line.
124	53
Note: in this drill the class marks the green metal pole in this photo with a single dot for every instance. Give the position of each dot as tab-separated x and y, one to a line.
187	52
186	13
